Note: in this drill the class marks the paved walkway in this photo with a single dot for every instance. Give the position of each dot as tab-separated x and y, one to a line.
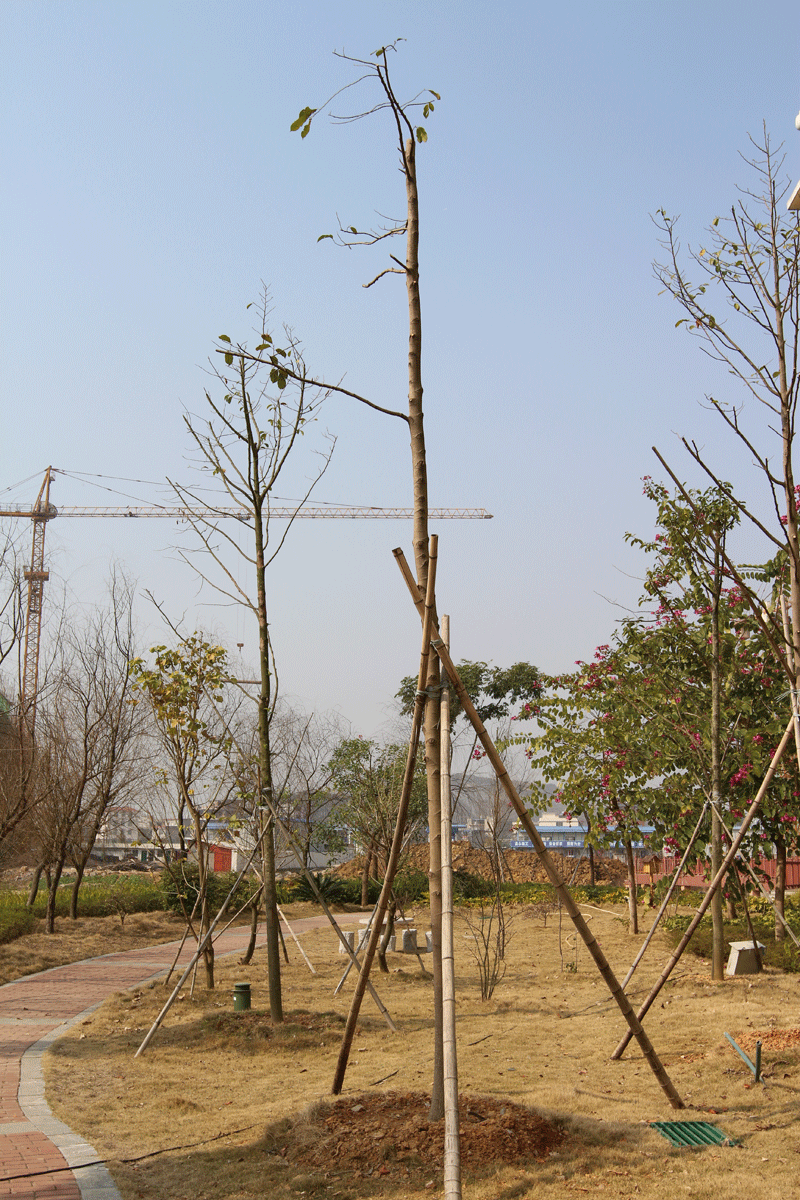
38	1152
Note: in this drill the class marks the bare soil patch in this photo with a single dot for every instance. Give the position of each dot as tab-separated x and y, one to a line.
522	866
377	1133
230	1107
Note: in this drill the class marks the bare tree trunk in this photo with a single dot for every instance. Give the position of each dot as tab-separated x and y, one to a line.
34	889
718	934
730	905
202	883
590	850
780	889
53	881
76	887
365	873
433	680
251	945
633	908
391	912
265	766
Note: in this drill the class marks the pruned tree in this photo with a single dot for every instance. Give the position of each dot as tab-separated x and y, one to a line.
244	443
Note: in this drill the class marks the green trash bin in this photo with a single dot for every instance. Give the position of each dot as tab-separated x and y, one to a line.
241	997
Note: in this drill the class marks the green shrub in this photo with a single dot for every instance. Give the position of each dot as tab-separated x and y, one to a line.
179	887
782	955
15	918
467	886
106	896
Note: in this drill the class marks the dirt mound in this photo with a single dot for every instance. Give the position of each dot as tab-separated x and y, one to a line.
388	1134
519	866
771	1039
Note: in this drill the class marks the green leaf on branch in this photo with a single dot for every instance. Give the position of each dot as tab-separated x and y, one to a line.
322	237
223	337
303	119
421	134
229	359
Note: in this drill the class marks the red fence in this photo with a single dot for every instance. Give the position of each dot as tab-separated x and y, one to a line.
695	875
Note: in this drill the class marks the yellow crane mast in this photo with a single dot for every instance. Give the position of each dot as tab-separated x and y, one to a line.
43	511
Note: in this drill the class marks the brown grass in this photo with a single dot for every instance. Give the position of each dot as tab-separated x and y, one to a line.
87	937
257	1097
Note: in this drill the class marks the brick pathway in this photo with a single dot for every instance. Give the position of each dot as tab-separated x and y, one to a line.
36	1150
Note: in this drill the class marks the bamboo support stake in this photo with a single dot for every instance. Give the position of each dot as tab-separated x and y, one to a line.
714	885
354	961
397	840
547	862
793	691
666	900
306	959
201	945
292	840
452	1138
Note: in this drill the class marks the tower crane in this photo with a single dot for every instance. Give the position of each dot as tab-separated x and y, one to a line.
43	511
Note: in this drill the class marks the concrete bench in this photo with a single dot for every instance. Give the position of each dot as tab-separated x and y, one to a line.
403	942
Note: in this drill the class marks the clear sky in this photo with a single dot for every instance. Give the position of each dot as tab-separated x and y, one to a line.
150	183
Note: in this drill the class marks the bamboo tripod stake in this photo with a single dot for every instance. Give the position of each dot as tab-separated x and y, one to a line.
547	862
715	883
452	1139
397	840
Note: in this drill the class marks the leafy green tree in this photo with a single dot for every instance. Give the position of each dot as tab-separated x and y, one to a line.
368	780
184	688
680	708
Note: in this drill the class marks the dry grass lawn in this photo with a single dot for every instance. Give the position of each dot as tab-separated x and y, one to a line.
87	937
229	1106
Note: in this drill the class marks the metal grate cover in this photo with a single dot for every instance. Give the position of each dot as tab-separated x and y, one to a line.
693	1133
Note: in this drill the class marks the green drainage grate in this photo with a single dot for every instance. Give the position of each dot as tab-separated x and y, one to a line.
693	1133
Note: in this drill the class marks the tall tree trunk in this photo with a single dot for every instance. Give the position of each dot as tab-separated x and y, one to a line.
391	913
433	681
202	883
780	888
718	929
53	880
590	848
265	768
633	908
365	873
251	945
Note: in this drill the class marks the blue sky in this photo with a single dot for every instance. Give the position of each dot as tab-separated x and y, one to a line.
151	183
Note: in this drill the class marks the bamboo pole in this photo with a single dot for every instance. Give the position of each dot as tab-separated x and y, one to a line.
292	840
201	945
307	960
667	898
452	1138
793	691
397	840
714	885
547	862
